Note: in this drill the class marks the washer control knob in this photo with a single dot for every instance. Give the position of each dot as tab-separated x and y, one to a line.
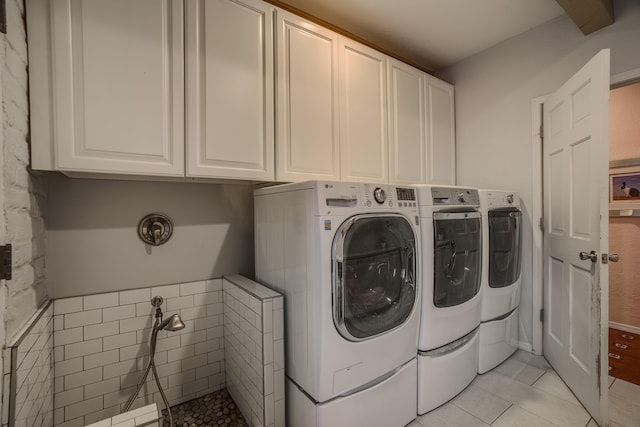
509	198
379	195
460	197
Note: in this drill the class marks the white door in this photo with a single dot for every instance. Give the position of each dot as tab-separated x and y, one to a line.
575	162
230	114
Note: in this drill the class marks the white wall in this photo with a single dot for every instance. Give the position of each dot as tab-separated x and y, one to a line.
93	245
23	192
494	90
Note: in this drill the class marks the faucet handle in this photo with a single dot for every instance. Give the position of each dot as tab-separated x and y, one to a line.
155	229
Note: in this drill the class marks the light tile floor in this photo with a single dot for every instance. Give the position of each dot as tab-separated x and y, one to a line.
525	391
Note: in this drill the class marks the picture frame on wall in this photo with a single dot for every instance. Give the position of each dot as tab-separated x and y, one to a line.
624	185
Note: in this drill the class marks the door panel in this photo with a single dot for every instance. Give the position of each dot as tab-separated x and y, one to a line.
230	114
580	285
118	73
555	321
307	100
363	113
407	158
441	137
575	157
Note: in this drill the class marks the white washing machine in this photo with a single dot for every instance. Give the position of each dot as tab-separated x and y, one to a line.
502	255
345	257
451	271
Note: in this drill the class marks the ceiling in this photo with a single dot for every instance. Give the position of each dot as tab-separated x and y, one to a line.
432	34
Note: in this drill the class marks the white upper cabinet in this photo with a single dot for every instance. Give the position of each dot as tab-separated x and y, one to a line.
407	137
307	101
363	113
113	88
226	89
229	105
441	148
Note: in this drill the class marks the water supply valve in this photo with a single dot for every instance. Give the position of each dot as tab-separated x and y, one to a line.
155	229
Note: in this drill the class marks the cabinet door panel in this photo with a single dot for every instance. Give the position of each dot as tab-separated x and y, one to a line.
119	86
363	127
307	101
441	155
406	124
230	89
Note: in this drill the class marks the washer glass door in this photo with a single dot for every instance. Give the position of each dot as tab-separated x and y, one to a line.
457	257
374	270
504	246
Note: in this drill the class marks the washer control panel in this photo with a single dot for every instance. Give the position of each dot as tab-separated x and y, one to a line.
388	196
375	196
379	195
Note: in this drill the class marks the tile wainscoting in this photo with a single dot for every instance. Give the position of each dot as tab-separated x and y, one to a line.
254	350
101	349
28	373
93	350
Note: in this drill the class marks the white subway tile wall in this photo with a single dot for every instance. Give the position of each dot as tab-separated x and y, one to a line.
254	350
28	364
101	348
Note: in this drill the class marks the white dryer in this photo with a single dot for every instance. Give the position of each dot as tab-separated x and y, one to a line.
502	254
451	272
344	255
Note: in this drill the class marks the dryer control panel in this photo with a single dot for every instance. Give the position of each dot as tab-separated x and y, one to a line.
455	196
498	199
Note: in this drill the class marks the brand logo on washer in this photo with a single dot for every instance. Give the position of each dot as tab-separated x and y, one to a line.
327	224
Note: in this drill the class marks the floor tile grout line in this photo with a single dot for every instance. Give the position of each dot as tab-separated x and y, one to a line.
501	414
559	397
538	390
452	402
532	413
588	422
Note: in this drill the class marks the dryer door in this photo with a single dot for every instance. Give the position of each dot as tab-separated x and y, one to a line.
457	257
374	270
504	246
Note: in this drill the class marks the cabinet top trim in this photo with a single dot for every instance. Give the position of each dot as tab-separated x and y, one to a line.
345	33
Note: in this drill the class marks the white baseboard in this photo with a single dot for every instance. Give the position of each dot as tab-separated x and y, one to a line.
526	347
623	327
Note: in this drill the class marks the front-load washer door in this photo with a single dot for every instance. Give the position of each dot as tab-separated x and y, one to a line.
374	270
457	257
504	246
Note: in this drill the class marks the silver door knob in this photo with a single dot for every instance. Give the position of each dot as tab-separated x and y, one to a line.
593	256
614	257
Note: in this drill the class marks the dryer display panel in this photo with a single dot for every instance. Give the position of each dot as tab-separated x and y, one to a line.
504	246
374	287
457	257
